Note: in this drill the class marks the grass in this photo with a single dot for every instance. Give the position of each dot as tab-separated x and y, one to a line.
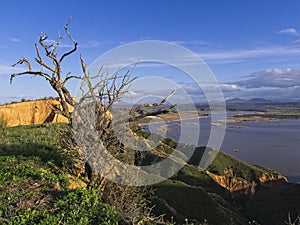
243	170
40	140
269	204
282	111
192	176
35	184
35	194
190	202
35	187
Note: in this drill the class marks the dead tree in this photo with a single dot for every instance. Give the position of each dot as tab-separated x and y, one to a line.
107	88
93	111
102	94
52	73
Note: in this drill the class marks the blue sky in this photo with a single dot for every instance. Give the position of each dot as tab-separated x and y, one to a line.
252	47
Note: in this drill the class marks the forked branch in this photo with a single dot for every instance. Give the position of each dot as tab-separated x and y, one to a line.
52	73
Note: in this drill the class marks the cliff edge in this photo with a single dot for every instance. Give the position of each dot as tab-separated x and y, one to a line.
31	112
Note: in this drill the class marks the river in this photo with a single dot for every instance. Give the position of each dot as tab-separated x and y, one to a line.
275	145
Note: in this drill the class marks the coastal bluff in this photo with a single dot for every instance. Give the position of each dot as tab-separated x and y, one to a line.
31	112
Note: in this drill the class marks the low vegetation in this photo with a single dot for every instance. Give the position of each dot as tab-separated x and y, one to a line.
37	186
3	125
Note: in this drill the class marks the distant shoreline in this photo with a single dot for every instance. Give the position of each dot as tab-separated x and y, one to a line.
270	116
236	121
172	117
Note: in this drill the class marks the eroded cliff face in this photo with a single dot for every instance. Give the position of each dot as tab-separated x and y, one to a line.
230	183
31	112
234	184
269	179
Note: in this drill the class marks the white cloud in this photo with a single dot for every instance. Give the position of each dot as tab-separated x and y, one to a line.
229	87
291	31
225	56
90	44
93	43
282	94
62	45
296	42
272	78
144	38
275	84
4	70
14	39
193	42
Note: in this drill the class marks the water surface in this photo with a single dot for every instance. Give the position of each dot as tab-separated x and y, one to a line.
271	144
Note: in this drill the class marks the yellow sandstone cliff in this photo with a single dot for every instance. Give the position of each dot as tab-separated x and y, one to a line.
31	112
233	184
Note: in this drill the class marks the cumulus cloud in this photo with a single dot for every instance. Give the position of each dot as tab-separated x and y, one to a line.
278	78
192	92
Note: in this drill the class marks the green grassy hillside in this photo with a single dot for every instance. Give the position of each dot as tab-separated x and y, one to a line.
36	187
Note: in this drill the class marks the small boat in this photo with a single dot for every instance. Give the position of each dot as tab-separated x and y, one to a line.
236	150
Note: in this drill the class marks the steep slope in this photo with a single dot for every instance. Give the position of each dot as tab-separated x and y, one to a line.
228	192
32	164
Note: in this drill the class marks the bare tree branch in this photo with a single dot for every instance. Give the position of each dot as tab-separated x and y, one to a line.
154	104
68	77
57	44
71	38
25	61
40	61
154	112
35	73
53	74
29	71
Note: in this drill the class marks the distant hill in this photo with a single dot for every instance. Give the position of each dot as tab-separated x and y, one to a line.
263	105
253	100
259	100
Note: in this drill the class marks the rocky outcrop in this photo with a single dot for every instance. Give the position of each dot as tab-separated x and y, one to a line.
271	180
31	112
234	184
